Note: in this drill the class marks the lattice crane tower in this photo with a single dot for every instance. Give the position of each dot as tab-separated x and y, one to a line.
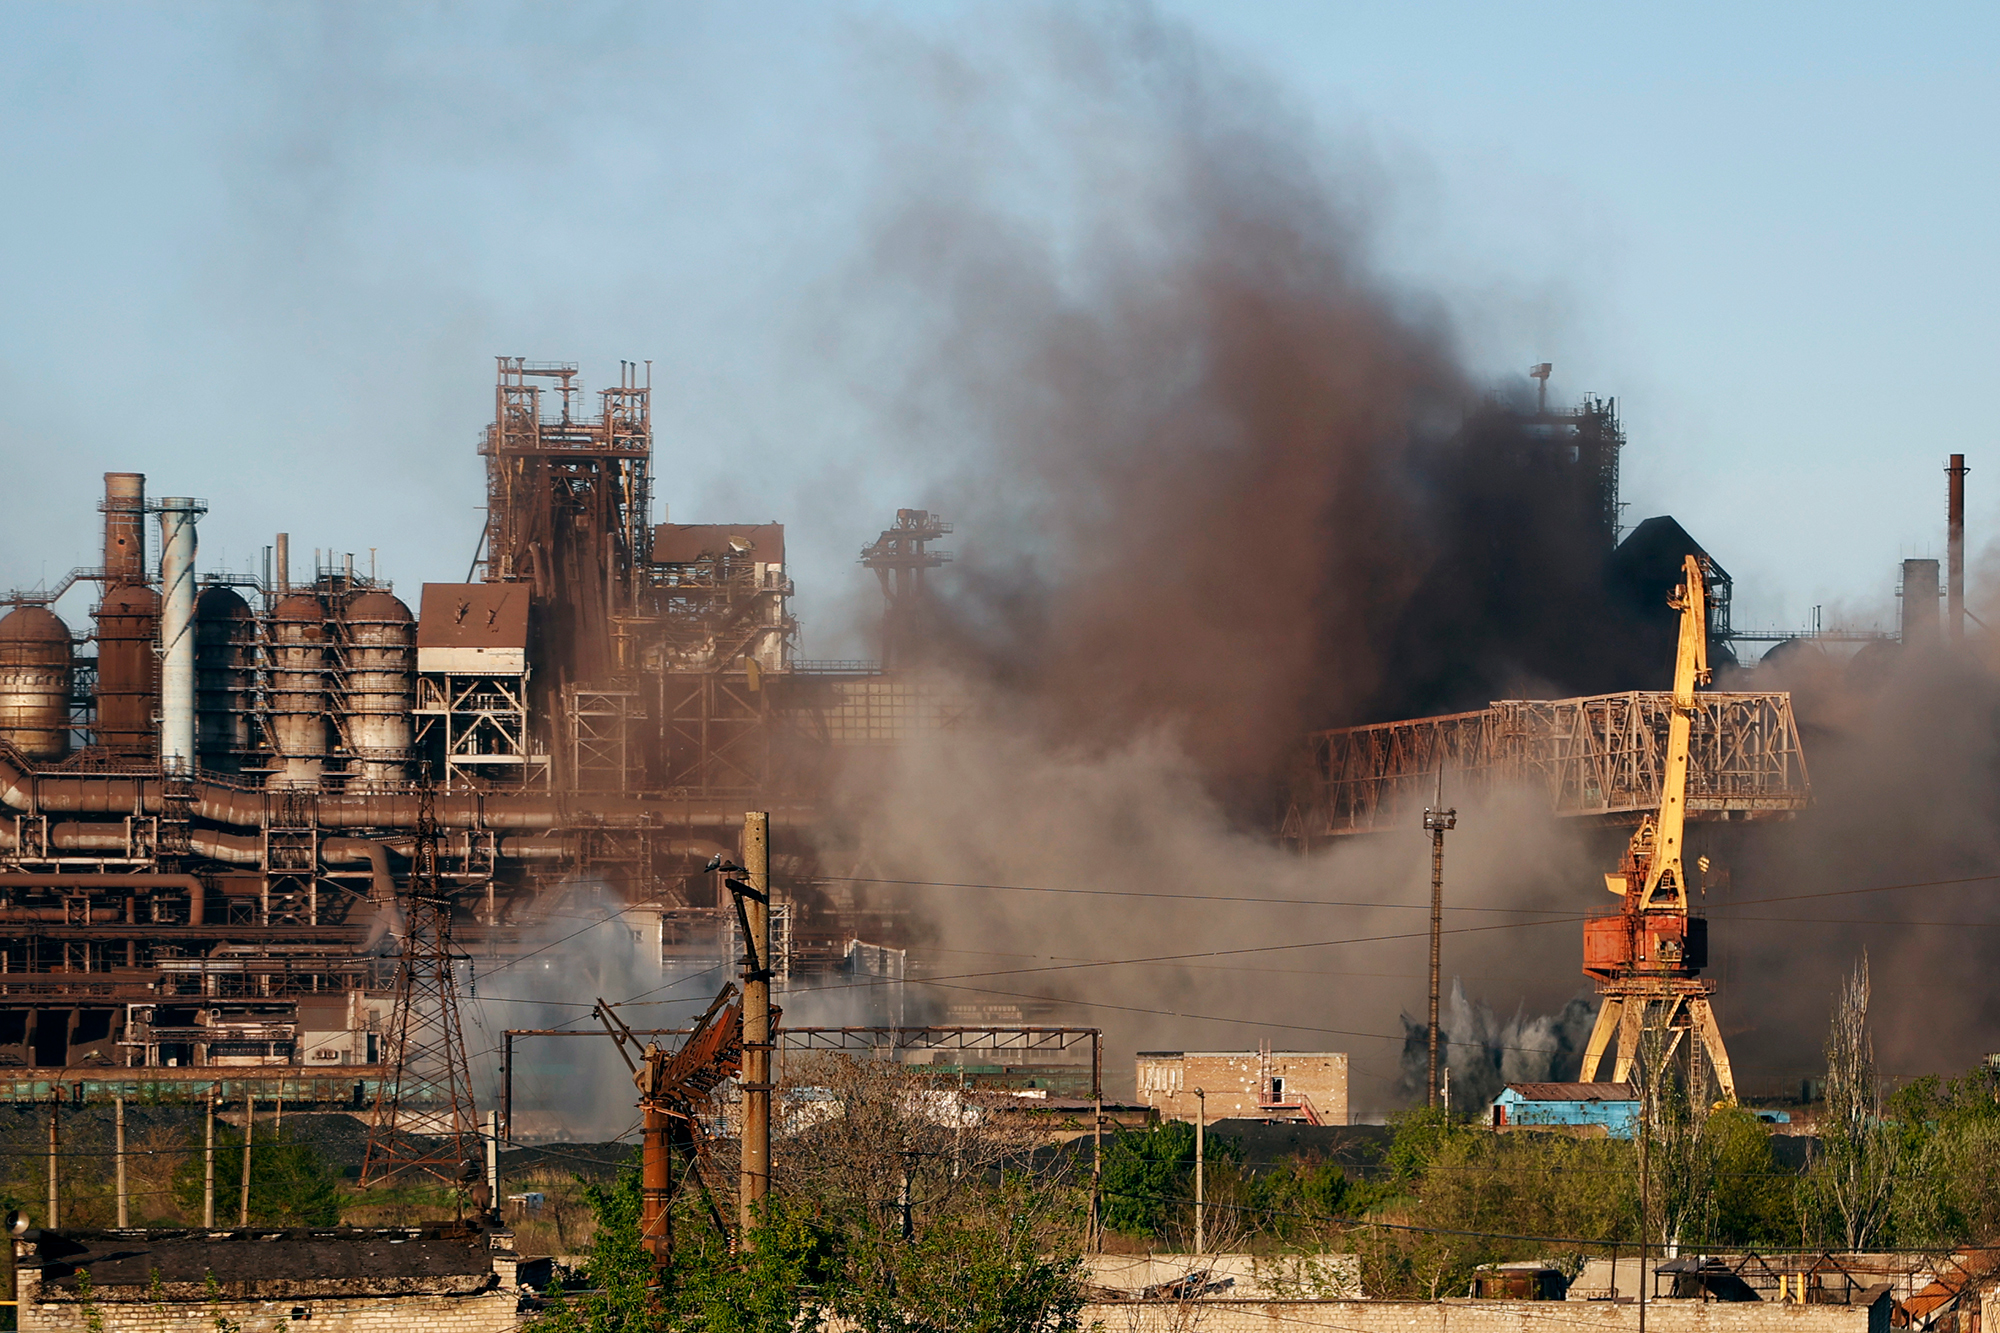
1647	958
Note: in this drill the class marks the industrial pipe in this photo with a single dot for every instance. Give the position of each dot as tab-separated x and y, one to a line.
177	552
134	794
22	879
381	885
197	892
13	912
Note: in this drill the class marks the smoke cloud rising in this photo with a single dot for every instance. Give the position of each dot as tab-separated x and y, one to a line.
1200	457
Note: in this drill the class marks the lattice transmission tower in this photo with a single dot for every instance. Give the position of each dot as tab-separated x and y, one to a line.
426	1044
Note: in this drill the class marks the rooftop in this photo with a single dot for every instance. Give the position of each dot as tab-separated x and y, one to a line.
271	1261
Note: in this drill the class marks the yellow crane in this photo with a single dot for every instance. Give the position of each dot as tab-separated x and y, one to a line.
1647	958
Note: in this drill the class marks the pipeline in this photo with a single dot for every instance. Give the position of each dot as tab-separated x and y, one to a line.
341	851
248	849
98	915
138	794
196	891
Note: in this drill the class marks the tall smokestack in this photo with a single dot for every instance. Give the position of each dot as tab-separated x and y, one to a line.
177	640
1955	549
124	529
284	562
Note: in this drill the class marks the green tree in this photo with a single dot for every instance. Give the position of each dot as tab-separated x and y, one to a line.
1148	1178
776	1285
1849	1191
1950	1143
290	1183
985	1270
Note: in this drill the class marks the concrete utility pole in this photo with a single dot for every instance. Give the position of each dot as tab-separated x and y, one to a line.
1097	1141
1955	549
1200	1172
208	1164
249	1126
493	1160
118	1126
1436	822
755	1183
55	1146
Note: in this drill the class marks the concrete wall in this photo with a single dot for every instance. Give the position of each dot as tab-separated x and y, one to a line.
1254	1277
488	1312
1231	1079
1223	1316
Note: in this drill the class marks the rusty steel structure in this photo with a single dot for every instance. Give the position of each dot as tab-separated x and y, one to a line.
673	1086
596	705
902	559
1597	757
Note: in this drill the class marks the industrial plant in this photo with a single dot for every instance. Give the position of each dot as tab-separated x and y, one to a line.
213	790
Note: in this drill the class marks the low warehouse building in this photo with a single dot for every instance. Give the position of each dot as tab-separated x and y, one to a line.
1305	1086
1608	1108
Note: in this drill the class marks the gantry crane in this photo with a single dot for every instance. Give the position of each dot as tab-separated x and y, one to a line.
1647	958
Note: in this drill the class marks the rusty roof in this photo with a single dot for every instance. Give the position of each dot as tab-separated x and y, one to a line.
1575	1092
473	615
329	1261
686	543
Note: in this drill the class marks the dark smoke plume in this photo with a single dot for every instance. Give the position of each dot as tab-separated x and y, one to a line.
1206	467
1211	471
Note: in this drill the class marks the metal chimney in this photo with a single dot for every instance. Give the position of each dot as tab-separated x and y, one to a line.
124	529
1955	549
177	637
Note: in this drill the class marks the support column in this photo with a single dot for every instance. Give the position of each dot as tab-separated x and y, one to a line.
755	1185
118	1124
55	1151
208	1165
1631	1028
249	1129
1701	1015
1200	1172
656	1185
1436	821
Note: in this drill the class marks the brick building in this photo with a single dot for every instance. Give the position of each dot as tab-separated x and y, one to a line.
1305	1086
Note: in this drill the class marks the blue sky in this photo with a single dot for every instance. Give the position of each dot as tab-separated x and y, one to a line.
265	253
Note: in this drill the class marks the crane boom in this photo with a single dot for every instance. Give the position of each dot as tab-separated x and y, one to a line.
1690	671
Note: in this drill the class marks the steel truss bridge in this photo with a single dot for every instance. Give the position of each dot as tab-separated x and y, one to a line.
1597	756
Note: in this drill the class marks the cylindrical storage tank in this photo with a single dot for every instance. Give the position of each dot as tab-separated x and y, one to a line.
37	670
298	691
381	684
124	528
128	671
225	638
